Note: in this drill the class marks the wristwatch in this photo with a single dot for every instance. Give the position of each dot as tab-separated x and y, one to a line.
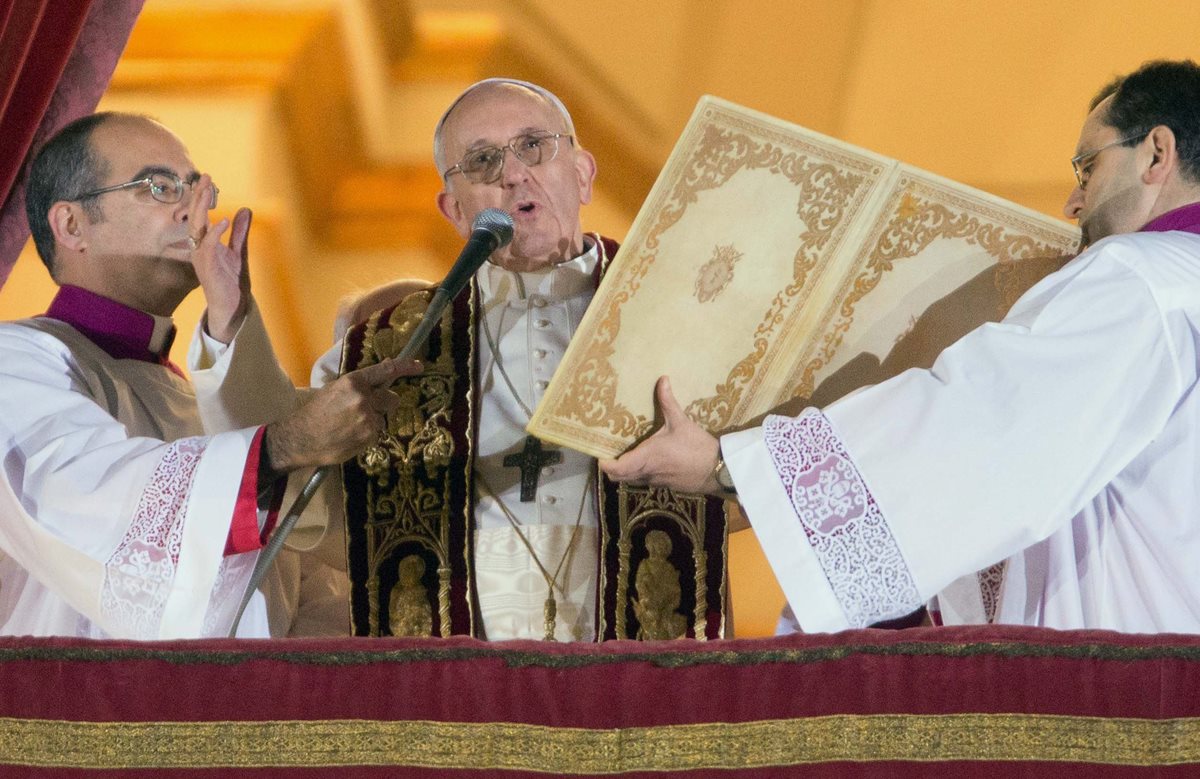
721	473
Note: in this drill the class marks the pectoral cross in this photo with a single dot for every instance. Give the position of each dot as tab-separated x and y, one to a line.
531	460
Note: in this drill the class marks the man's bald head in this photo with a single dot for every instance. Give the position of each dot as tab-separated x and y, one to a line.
439	146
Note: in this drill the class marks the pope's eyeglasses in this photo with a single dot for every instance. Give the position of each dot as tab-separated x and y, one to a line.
485	165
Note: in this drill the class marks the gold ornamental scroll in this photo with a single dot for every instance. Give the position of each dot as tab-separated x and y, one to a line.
770	262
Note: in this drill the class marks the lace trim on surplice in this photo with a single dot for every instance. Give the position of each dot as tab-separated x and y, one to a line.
233	575
139	574
843	523
991	580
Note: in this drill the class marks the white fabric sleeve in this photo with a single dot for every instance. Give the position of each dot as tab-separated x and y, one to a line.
204	351
202	581
242	384
902	487
1019	424
130	531
323	541
781	537
328	365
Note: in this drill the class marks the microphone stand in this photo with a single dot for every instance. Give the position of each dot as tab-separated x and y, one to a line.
499	228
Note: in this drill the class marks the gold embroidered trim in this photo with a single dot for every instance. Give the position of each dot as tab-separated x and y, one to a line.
688	515
407	481
573	751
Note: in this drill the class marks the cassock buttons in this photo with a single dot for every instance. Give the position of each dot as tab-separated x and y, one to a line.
537	301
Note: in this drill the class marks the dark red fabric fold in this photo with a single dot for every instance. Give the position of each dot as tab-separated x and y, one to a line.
35	45
56	58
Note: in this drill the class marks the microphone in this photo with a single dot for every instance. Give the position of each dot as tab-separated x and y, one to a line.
491	229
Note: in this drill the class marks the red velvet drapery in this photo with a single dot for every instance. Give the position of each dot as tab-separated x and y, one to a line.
56	58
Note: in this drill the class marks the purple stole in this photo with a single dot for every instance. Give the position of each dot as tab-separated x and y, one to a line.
410	502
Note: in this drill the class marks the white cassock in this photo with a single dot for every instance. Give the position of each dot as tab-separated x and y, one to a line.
120	481
1065	438
532	317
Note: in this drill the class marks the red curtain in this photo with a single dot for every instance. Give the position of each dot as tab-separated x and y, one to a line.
56	58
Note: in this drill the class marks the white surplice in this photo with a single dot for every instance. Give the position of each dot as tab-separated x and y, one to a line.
532	317
119	483
1065	438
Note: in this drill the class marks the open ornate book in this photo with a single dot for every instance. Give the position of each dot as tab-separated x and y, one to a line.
770	262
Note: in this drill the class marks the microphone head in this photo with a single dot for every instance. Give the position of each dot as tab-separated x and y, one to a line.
496	222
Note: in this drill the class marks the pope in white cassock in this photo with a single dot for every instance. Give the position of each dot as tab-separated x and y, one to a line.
530	534
1064	440
132	501
536	290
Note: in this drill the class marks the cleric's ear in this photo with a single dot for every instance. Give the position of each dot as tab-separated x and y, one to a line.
66	222
1164	155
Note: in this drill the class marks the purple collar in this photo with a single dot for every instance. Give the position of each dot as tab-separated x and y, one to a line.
1185	218
123	332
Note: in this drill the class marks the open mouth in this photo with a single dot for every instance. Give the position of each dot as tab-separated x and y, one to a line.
525	207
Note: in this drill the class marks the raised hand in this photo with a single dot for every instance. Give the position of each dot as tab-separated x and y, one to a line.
222	269
339	420
680	455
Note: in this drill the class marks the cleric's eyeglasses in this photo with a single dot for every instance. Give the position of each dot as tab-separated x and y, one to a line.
1082	163
485	165
164	187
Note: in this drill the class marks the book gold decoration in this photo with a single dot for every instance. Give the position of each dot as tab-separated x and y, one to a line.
769	263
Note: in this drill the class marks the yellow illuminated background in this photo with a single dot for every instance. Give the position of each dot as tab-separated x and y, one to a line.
318	115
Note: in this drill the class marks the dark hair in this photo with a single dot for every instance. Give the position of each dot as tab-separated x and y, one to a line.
64	167
1160	92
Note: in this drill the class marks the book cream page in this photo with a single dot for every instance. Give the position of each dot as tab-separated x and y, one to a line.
937	260
770	261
